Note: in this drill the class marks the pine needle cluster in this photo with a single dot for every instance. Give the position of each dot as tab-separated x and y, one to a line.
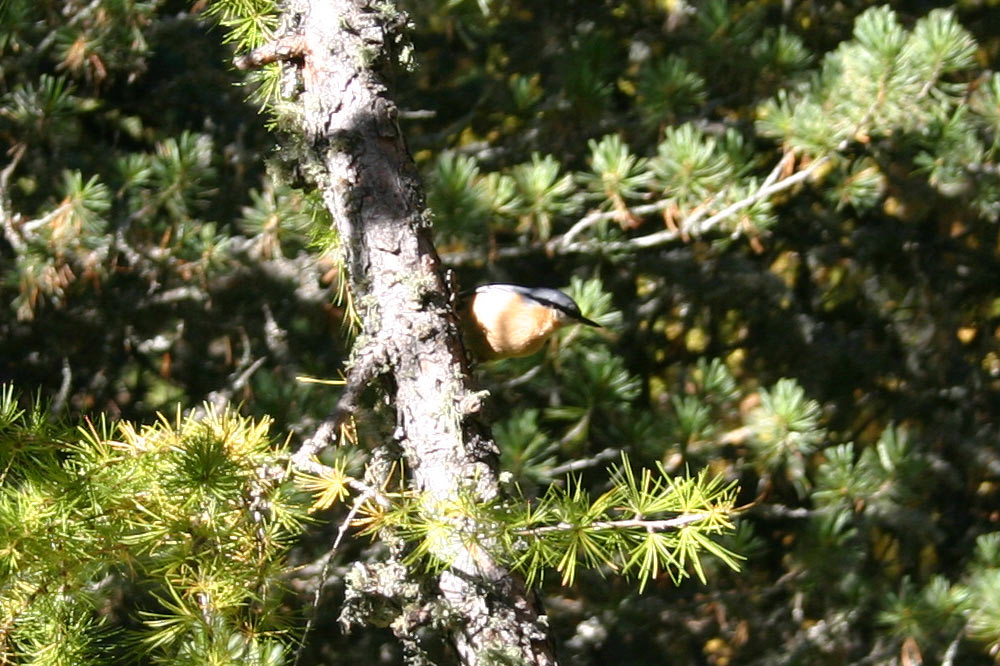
166	541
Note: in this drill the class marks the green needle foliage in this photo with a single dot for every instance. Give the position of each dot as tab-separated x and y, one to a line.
458	196
545	193
194	517
526	453
656	526
668	89
617	173
641	528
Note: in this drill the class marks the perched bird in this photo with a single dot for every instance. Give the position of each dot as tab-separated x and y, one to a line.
508	320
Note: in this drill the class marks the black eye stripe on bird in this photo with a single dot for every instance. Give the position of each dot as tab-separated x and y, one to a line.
509	320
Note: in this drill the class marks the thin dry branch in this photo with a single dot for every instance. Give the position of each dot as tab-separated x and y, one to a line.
7	216
369	493
585	463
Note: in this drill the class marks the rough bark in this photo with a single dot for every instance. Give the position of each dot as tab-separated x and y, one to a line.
353	150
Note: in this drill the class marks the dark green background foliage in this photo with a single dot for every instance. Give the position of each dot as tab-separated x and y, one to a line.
834	347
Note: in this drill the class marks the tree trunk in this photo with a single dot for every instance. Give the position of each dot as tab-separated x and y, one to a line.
356	155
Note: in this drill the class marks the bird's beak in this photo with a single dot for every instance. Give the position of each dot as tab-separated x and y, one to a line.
588	322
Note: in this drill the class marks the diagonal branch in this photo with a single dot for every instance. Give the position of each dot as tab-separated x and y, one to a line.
567	243
669	235
363	372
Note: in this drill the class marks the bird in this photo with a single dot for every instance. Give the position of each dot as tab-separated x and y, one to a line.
509	320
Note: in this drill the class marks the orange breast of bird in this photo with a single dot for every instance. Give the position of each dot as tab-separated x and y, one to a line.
502	324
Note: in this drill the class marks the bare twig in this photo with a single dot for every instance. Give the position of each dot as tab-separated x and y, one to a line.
7	217
16	154
365	369
177	294
302	270
416	114
33	225
948	659
598	216
244	376
772	177
523	378
736	436
324	435
779	511
67	381
276	338
593	461
238	380
328	558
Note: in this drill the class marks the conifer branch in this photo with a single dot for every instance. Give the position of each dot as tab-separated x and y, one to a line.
669	235
662	525
566	244
82	14
870	112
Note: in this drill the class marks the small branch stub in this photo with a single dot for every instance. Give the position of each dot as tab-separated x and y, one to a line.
288	48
